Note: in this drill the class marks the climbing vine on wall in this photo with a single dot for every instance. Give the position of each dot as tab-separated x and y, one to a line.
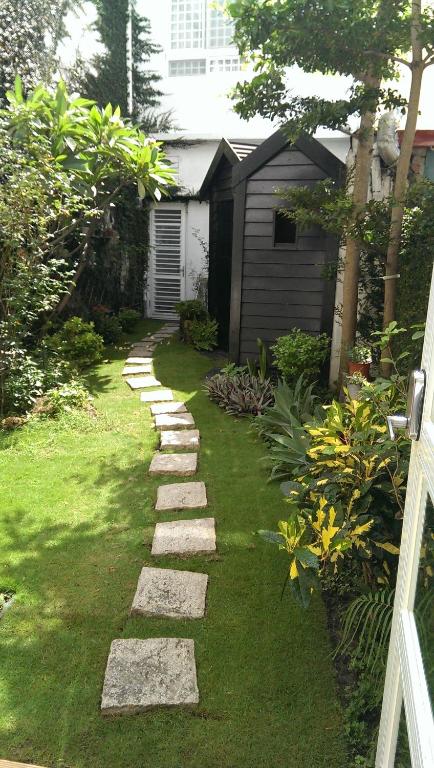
117	272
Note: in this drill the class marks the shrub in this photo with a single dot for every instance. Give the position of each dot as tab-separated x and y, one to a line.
240	393
300	353
128	319
78	342
202	333
193	309
66	397
28	377
360	353
109	327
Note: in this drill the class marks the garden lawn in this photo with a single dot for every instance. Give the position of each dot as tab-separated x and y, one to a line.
76	525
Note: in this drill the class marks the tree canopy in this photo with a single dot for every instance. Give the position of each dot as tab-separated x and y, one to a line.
106	75
29	34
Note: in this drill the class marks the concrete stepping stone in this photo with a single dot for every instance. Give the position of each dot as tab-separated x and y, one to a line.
138	361
133	370
181	496
184	537
166	421
143	382
143	351
174	594
141	674
158	396
184	438
180	464
172	407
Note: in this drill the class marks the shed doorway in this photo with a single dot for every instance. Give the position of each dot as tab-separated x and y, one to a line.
220	266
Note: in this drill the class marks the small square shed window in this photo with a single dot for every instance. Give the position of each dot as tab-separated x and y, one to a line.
285	230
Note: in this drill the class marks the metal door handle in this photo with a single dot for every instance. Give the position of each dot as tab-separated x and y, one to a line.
412	422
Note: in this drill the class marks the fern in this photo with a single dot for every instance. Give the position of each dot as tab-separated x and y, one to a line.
367	625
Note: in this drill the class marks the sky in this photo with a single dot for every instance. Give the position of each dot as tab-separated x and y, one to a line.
80	38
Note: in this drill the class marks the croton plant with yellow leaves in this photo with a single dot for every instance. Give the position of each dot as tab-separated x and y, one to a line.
345	499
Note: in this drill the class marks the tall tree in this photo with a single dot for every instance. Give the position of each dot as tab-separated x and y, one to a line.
29	34
356	38
422	56
107	79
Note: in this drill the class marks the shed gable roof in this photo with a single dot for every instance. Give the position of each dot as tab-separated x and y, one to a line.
232	151
312	148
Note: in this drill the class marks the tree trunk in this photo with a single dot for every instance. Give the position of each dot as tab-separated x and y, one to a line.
80	269
402	169
362	169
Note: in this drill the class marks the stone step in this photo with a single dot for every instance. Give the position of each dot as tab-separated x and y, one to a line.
157	396
172	407
184	537
180	464
147	351
181	496
173	594
181	439
142	674
165	421
143	382
138	361
133	370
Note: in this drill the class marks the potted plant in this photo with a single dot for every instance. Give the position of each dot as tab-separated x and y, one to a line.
359	360
354	383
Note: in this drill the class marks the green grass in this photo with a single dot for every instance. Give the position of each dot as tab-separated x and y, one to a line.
76	523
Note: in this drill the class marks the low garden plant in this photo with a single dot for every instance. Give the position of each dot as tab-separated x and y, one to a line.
77	342
240	393
300	353
196	325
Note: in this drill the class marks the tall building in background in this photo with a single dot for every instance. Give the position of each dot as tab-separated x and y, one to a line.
199	65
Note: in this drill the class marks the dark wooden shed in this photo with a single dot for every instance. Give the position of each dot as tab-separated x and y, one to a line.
273	273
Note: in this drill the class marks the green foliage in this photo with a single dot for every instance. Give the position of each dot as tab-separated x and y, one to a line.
106	79
189	311
259	368
64	163
29	36
300	353
128	319
28	378
109	327
78	342
416	254
202	333
360	353
292	405
192	309
240	394
279	35
66	397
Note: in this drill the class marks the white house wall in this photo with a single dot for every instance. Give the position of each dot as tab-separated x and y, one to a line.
197	223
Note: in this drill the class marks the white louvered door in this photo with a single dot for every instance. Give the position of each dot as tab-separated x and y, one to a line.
166	283
406	683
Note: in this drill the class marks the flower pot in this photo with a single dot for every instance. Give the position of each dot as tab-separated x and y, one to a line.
354	391
362	368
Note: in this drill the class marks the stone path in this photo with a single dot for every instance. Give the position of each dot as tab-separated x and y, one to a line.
174	594
140	674
157	672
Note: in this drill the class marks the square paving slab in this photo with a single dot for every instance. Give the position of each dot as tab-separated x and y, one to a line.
181	496
132	370
159	396
143	382
168	408
184	438
175	594
184	537
181	464
141	674
139	361
166	421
